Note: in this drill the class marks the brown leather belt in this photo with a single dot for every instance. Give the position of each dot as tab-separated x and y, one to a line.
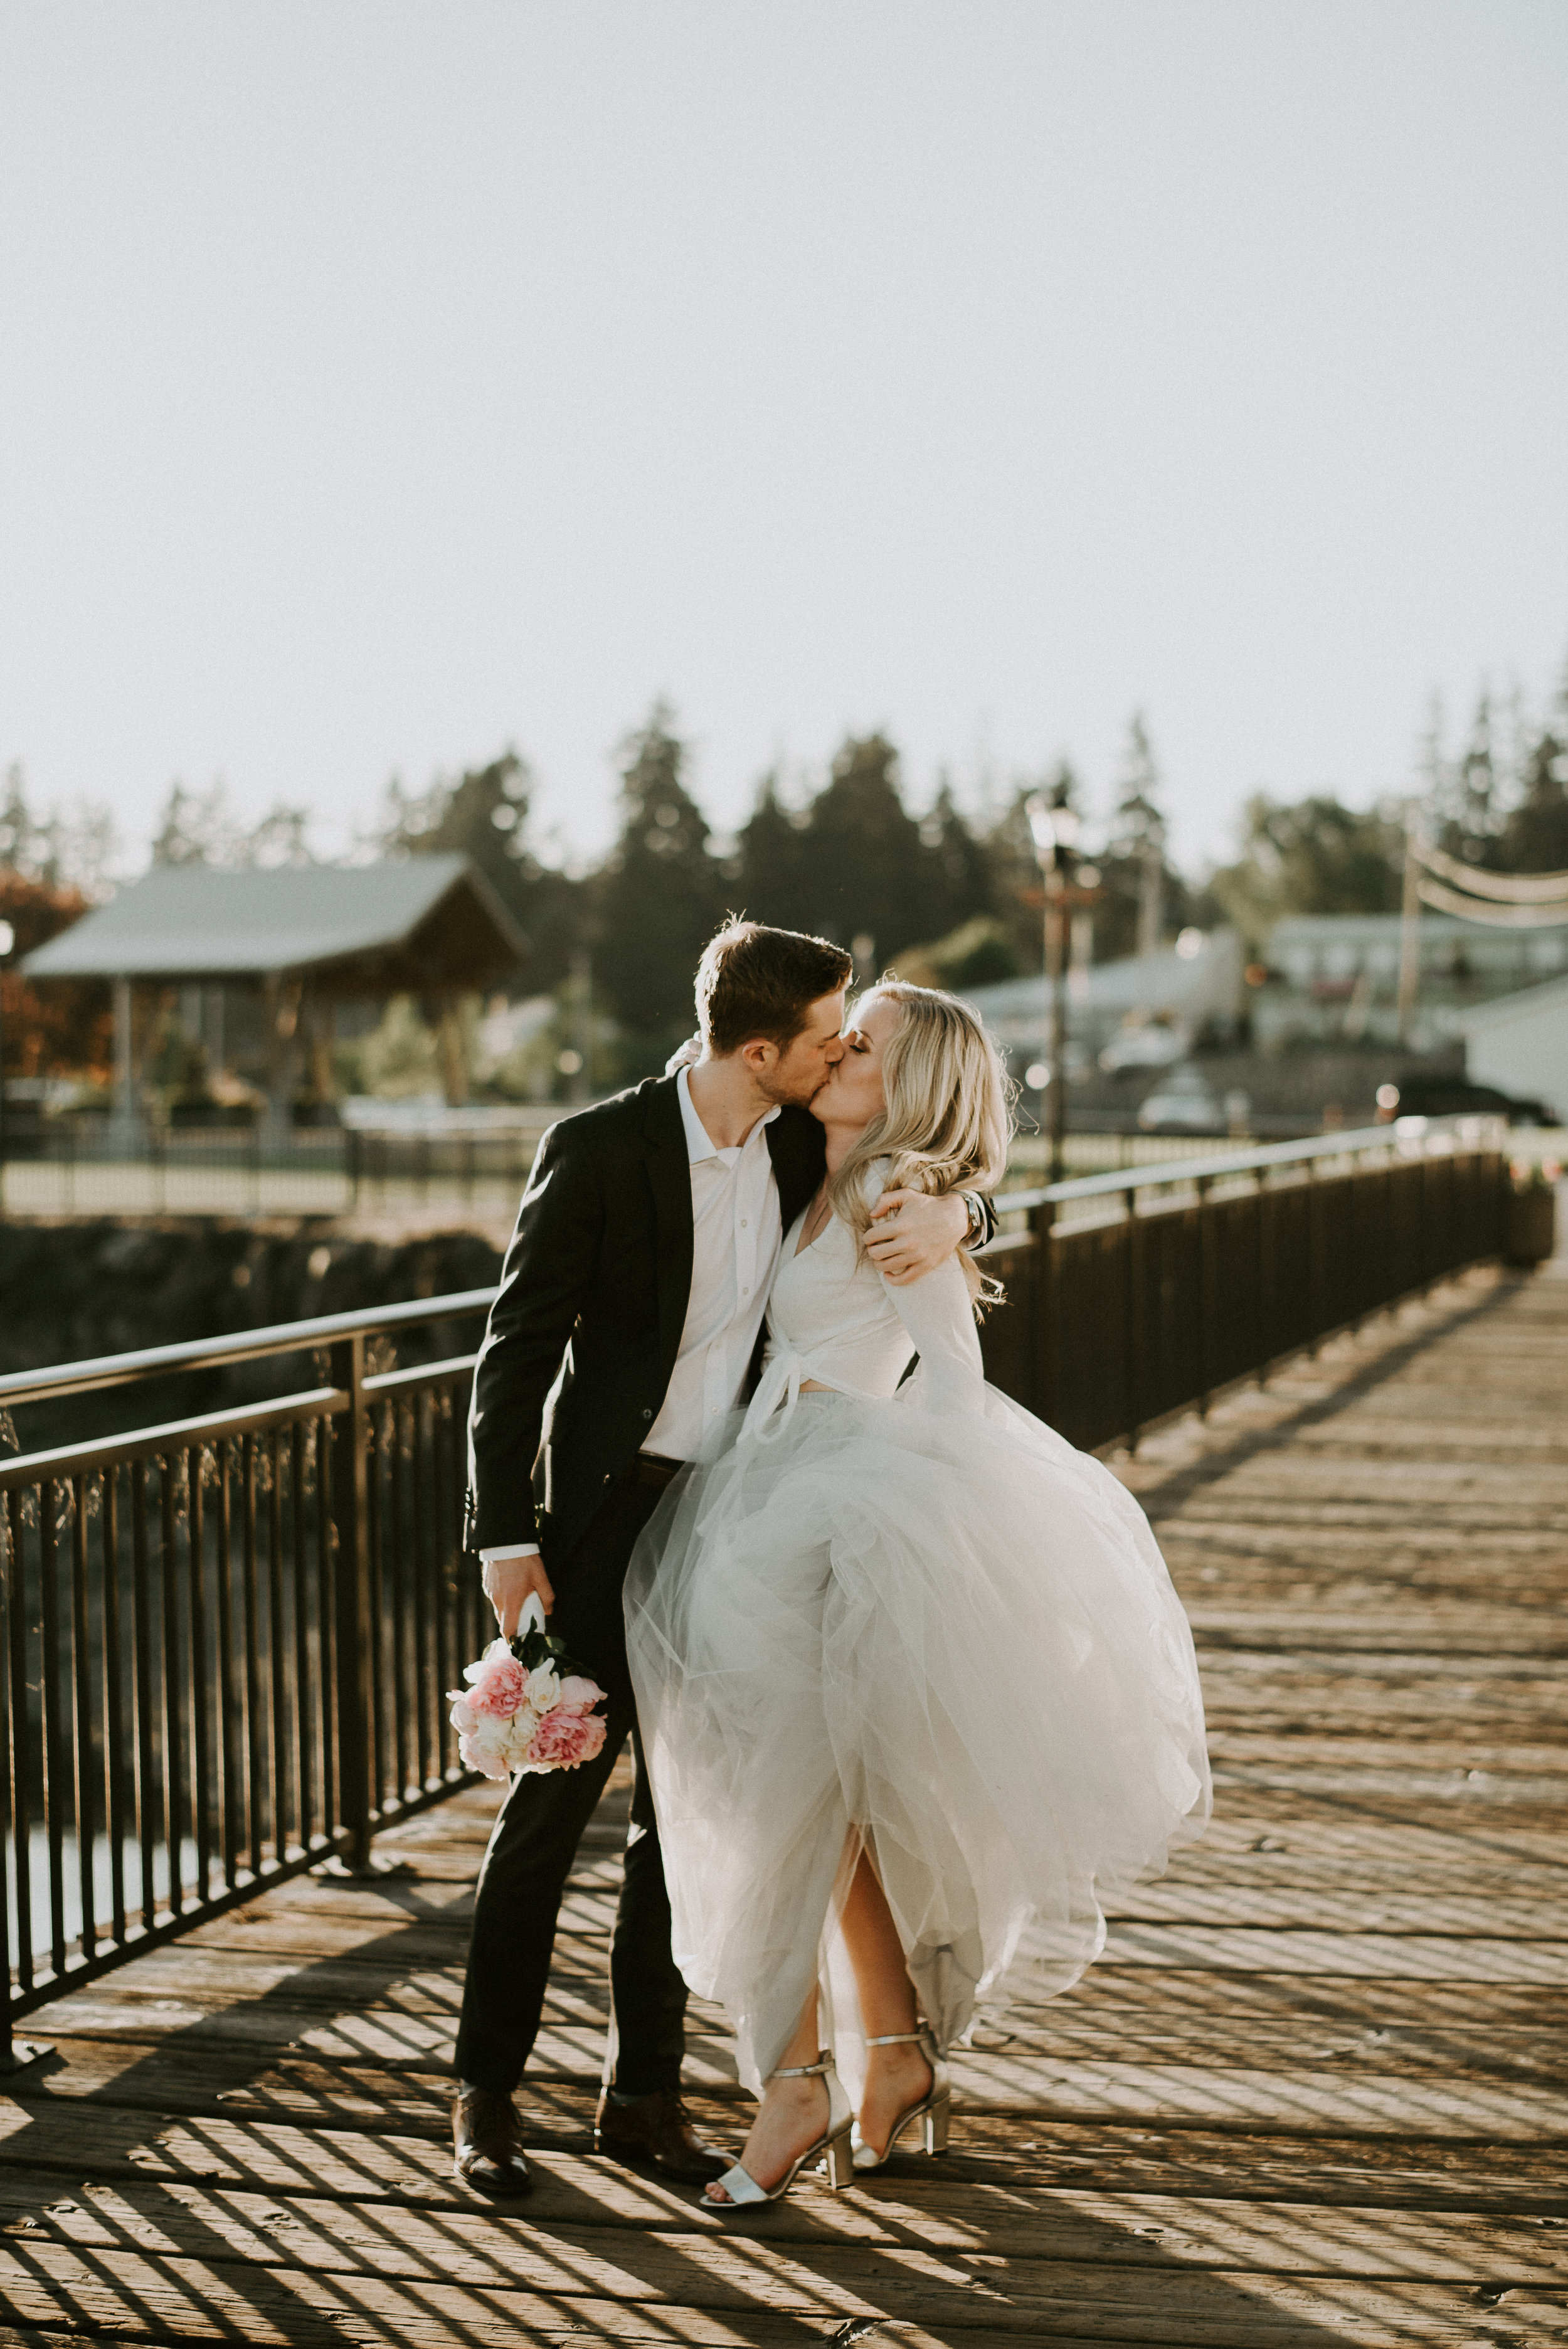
651	1468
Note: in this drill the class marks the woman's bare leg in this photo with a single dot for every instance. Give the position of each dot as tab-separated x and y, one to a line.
896	2077
792	2113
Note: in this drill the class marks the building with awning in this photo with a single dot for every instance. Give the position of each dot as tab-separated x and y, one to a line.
299	939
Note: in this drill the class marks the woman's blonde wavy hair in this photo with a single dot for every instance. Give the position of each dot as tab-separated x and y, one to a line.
947	1120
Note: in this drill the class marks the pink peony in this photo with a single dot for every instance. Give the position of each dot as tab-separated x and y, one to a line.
565	1739
498	1683
578	1696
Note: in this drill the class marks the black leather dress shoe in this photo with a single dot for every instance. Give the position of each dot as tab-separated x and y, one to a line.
487	2146
656	2132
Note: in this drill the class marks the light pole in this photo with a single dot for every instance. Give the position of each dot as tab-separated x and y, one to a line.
1055	827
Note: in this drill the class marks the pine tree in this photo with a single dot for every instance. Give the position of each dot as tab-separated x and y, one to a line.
773	880
962	866
483	815
660	898
1468	794
78	853
195	828
871	876
1140	887
1311	856
1534	838
1013	874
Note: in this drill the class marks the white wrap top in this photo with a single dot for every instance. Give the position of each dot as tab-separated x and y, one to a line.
835	1318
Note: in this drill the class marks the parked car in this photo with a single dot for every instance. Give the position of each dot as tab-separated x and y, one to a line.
1182	1107
1156	1044
1440	1096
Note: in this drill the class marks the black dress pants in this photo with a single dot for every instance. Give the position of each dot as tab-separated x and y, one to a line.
535	1840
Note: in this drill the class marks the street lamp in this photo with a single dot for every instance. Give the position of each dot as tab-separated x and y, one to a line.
1056	828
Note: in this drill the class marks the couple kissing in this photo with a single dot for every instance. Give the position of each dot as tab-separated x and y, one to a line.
910	1694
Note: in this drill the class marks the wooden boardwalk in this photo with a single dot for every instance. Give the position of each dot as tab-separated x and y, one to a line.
1315	2093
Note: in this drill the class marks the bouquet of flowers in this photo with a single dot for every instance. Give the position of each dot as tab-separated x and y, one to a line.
525	1708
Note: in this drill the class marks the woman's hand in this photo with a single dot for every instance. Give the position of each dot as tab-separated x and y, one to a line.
923	1232
508	1583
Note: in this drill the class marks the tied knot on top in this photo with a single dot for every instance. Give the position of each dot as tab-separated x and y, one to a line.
773	1407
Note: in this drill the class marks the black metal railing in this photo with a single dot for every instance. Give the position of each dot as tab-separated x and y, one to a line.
1134	1297
225	1642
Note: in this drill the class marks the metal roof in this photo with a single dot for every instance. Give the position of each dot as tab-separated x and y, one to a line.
1548	996
1209	981
191	921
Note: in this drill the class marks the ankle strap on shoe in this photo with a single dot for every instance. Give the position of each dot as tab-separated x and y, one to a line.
824	2062
897	2039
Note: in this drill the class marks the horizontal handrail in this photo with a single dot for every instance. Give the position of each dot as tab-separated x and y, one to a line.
244	1346
67	1460
418	1375
1261	1155
296	1336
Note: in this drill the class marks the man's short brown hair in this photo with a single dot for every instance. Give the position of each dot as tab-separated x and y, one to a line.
753	982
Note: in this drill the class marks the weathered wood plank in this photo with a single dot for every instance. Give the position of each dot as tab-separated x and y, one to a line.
143	2295
580	2207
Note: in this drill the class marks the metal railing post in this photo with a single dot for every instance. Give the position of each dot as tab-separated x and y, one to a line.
1047	1315
1133	1261
355	1633
1208	1296
1316	1262
1265	1275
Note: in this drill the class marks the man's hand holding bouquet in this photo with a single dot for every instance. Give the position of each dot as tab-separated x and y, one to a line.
525	1707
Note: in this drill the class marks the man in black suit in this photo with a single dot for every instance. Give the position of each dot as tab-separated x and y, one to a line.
627	1326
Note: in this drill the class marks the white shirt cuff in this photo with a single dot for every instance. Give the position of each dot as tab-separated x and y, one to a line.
508	1549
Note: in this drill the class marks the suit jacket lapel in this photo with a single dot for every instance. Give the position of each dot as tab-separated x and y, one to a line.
796	1145
668	1165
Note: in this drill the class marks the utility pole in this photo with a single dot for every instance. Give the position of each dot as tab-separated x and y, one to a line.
1055	828
1410	928
1152	890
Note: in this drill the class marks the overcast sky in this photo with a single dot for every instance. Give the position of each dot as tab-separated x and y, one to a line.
381	384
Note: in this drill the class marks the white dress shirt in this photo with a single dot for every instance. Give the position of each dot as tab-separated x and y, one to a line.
737	1232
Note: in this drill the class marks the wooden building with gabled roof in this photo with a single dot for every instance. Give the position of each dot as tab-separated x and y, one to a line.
304	937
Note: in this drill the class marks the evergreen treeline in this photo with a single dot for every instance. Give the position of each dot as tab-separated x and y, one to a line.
952	901
945	896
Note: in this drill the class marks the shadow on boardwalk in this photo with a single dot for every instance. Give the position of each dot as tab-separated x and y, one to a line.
1313	2093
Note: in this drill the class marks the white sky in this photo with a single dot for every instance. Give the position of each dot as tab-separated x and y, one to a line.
384	381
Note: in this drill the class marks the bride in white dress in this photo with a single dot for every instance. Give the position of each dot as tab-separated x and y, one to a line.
914	1687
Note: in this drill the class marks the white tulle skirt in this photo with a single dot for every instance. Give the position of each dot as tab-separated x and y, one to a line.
948	1638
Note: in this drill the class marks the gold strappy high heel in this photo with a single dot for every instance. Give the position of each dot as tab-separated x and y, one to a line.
932	2111
834	2142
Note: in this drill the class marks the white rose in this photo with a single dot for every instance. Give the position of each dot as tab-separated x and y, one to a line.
543	1688
488	1735
518	1735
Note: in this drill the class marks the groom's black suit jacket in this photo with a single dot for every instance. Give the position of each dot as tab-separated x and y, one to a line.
594	1294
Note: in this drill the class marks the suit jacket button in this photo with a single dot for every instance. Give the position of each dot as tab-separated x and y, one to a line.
647	1414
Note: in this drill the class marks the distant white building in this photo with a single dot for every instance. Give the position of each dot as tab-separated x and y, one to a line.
1335	977
1186	992
1520	1043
